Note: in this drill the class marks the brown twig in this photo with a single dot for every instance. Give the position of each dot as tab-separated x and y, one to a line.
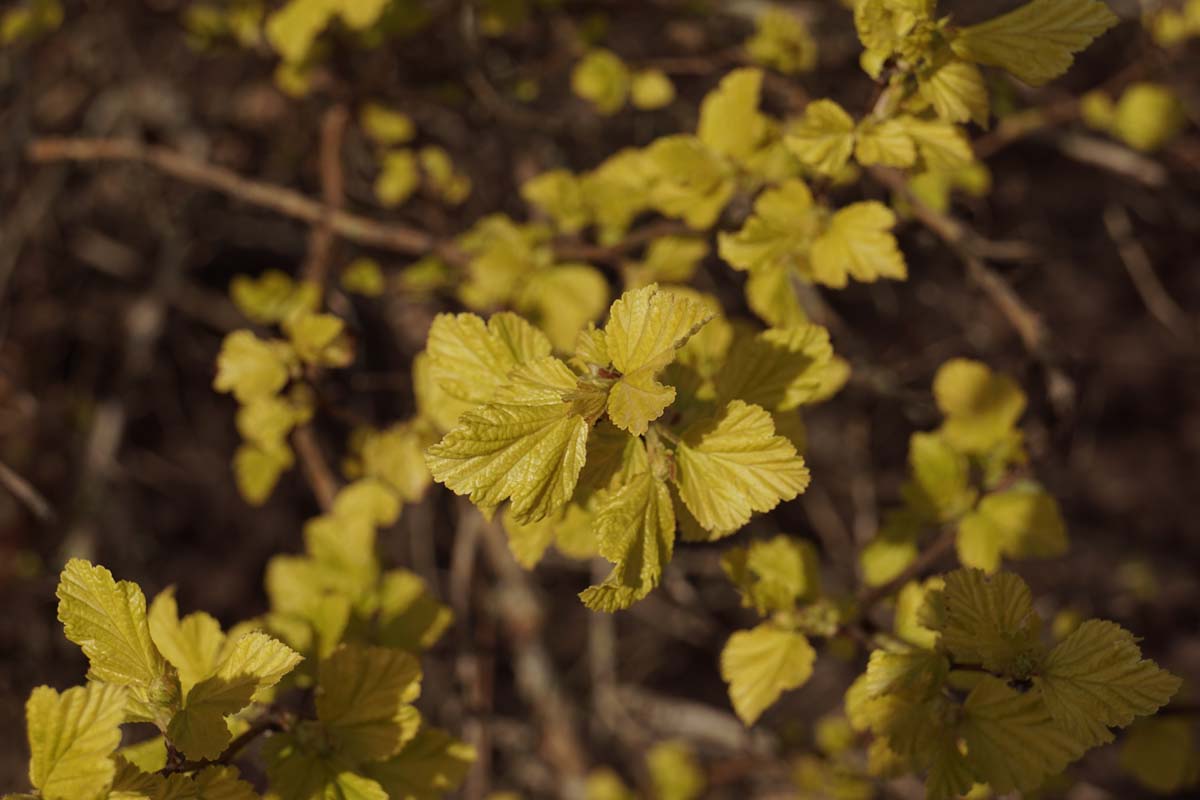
928	557
316	470
25	492
356	228
1141	271
1027	323
321	239
567	250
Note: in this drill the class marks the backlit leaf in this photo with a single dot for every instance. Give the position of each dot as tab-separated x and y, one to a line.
761	664
71	738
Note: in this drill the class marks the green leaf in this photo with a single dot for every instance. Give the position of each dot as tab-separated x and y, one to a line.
71	738
192	645
645	329
761	664
107	619
730	123
778	369
858	243
990	622
365	700
531	455
1023	522
777	235
431	765
1012	742
981	406
1096	679
823	138
250	367
957	92
635	526
1036	42
734	465
253	664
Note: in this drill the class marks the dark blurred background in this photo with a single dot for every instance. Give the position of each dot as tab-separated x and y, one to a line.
113	306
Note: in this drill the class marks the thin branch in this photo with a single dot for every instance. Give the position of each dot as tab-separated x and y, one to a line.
321	238
356	228
928	557
567	250
1141	271
26	494
320	477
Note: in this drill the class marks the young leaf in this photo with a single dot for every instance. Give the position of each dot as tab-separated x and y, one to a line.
858	243
981	406
410	617
776	236
107	619
687	180
940	488
730	123
734	465
824	138
635	526
957	92
192	645
778	369
762	663
773	575
564	299
1023	522
942	145
603	79
991	622
1012	742
1036	42
674	771
250	367
71	738
365	700
469	359
645	329
253	664
1096	678
531	455
885	142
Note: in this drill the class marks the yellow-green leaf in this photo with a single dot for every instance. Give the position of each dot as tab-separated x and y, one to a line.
674	771
1096	679
635	526
470	360
777	235
410	617
530	455
107	619
957	92
981	406
72	737
990	622
253	664
858	243
774	574
1023	522
651	89
603	79
257	470
430	766
885	142
273	296
645	329
319	339
761	664
365	700
735	465
398	177
1012	742
778	369
1036	42
563	299
940	489
669	259
192	644
559	194
687	180
1161	753
730	123
782	41
250	367
386	126
823	138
